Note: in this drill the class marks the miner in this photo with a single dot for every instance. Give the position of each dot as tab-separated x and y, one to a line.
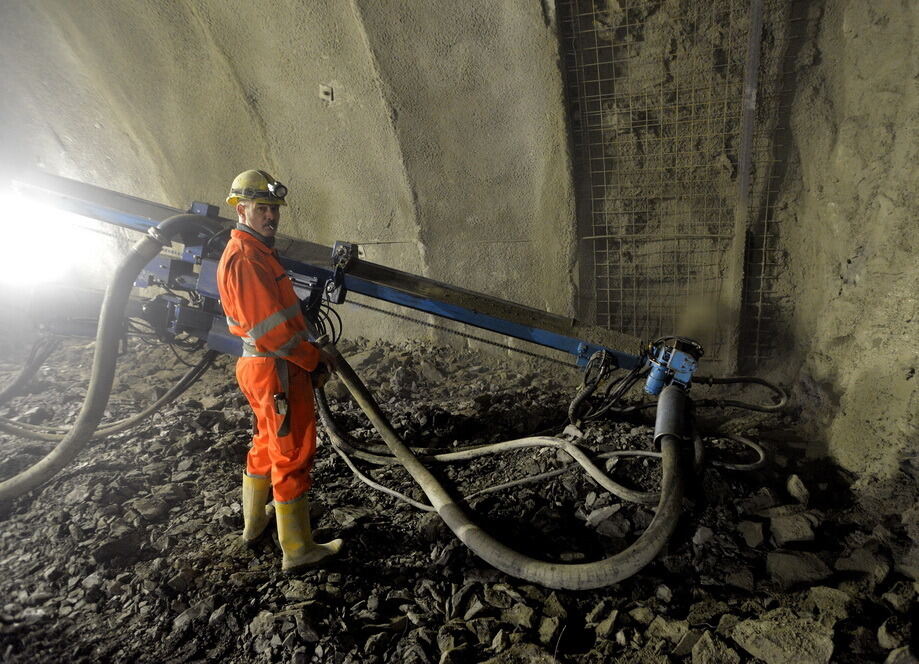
275	373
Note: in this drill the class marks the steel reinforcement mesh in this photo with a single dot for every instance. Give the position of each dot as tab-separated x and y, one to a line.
655	96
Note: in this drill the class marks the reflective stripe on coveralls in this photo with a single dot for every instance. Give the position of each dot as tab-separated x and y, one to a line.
262	308
249	350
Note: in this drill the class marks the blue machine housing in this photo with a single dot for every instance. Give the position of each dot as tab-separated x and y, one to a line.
671	365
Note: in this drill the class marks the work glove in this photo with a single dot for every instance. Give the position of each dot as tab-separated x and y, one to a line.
328	359
320	375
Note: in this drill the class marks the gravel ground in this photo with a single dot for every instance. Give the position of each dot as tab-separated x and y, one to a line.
130	553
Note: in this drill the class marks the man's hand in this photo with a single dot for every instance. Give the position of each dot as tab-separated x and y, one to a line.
320	376
324	369
328	360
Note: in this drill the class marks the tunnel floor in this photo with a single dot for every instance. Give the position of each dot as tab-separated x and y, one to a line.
130	553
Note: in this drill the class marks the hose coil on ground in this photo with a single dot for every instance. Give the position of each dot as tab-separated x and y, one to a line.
578	576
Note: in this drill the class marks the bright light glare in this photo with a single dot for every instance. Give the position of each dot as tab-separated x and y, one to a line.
42	244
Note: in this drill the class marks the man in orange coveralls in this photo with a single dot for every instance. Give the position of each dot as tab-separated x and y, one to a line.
261	306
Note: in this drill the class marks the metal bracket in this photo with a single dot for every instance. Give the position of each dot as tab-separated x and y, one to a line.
344	255
205	210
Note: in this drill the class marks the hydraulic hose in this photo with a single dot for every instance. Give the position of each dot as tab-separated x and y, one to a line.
757	464
576	453
579	576
583	394
108	336
191	376
730	380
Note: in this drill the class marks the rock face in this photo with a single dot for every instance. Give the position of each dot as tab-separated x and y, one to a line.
840	125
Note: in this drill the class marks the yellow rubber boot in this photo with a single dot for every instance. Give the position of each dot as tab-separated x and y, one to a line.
296	536
256	509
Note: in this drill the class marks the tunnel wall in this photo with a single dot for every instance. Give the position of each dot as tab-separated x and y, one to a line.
850	220
433	135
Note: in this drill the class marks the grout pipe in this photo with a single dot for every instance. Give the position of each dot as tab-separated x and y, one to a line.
578	576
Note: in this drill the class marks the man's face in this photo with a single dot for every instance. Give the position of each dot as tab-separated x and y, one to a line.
260	217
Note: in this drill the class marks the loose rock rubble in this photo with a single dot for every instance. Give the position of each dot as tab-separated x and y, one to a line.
131	552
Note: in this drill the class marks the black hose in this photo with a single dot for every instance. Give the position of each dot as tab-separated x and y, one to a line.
594	373
341	440
574	410
728	380
187	380
718	403
108	337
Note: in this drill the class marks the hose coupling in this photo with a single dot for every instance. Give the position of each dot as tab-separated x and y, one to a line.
671	408
159	236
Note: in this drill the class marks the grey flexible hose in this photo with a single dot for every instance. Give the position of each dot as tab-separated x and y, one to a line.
579	576
379	487
601	478
108	336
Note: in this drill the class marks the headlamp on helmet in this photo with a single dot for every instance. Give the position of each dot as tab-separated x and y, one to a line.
258	186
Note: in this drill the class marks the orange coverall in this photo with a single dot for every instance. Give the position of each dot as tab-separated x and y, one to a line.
261	306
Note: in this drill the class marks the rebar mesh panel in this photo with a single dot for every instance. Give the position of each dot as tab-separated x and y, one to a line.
655	91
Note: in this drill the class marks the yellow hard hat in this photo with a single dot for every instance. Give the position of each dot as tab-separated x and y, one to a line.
256	186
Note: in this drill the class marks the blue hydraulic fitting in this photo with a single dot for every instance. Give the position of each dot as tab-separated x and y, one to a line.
672	364
583	354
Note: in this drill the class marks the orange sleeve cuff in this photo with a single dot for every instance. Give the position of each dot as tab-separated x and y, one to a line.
305	356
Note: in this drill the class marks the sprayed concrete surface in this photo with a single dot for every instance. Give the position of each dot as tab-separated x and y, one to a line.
849	211
436	137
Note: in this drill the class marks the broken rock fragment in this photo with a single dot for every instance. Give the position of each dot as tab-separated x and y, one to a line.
752	533
710	650
523	653
782	637
790	568
791	529
901	656
671	630
866	561
797	490
829	605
